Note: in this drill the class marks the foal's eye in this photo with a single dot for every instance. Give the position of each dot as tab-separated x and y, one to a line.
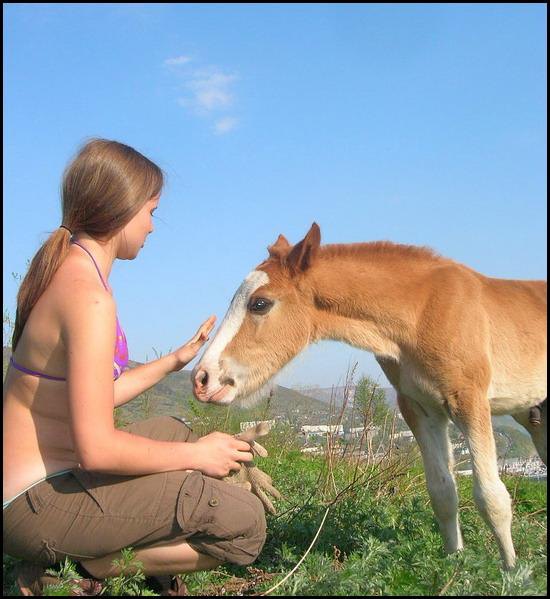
260	305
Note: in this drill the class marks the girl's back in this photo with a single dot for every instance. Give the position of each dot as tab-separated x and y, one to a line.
37	438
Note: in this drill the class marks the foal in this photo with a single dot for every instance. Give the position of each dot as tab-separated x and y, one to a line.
455	344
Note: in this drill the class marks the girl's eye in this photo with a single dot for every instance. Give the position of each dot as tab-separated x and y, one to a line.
260	305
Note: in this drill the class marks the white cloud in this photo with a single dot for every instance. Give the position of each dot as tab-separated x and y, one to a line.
177	61
210	90
207	92
225	125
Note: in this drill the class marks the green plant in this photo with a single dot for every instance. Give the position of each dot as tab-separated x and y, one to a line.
130	581
67	575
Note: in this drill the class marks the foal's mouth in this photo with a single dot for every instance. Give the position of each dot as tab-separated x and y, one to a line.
213	397
217	395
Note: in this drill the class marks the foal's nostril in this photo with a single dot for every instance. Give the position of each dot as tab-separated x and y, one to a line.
203	378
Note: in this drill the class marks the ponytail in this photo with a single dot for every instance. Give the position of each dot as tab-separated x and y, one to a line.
43	267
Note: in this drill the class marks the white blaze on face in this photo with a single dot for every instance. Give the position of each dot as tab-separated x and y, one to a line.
230	326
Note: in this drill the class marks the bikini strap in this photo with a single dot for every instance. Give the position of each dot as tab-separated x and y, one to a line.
34	372
95	263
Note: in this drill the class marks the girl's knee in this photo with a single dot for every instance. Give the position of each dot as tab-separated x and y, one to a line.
255	535
228	522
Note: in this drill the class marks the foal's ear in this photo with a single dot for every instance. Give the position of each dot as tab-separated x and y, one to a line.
303	253
280	248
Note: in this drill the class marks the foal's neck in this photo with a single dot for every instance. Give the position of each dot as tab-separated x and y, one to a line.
370	295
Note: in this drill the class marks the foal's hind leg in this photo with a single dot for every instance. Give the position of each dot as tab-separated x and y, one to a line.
537	431
473	416
430	429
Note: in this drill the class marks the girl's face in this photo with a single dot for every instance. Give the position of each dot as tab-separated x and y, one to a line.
133	235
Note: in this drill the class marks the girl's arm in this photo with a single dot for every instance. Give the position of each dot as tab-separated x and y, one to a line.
88	332
137	380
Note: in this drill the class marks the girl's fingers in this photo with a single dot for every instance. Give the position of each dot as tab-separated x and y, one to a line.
204	330
245	456
208	325
242	445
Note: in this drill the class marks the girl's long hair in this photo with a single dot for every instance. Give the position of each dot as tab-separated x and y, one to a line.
103	187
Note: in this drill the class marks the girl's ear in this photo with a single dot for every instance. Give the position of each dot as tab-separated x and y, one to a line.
302	255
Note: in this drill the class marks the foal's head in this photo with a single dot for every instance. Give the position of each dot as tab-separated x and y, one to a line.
268	322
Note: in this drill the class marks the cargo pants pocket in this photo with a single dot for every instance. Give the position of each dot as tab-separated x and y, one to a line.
40	496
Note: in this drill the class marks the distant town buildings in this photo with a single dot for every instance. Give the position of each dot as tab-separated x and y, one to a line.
532	467
321	430
361	433
403	435
350	440
246	425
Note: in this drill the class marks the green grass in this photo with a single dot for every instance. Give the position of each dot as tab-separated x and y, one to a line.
379	539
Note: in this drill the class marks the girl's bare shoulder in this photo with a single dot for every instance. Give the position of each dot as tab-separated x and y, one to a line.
76	289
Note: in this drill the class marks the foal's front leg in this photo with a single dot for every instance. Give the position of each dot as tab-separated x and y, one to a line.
473	416
430	429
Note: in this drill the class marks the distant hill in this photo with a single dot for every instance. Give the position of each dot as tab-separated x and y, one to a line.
284	403
6	353
174	396
337	394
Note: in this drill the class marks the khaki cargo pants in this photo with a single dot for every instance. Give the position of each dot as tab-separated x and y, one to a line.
85	515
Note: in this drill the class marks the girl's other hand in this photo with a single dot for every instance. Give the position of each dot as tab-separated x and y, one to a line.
217	454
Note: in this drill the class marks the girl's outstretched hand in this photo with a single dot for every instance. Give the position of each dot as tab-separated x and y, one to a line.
187	352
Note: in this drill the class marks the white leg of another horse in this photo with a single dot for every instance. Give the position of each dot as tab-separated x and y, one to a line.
490	494
537	431
431	432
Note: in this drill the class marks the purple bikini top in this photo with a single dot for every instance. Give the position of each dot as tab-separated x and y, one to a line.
121	347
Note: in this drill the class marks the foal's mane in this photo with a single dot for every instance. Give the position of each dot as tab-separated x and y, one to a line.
378	249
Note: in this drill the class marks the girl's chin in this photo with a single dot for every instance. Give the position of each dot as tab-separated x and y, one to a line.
130	256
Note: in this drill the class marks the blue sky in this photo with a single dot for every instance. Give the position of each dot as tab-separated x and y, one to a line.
419	124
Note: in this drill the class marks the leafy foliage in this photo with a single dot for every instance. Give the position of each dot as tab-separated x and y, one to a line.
380	538
370	401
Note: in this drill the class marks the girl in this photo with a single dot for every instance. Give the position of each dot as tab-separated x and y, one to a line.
74	485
